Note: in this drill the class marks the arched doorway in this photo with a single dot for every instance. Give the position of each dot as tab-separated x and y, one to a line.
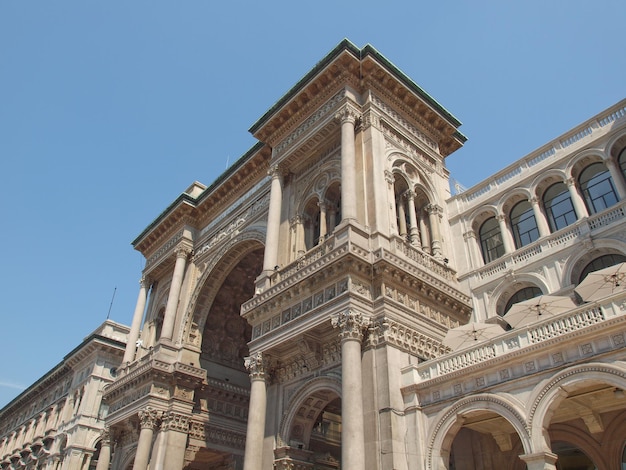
311	431
221	403
486	440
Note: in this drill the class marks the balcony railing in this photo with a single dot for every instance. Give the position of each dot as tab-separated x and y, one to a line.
564	237
531	336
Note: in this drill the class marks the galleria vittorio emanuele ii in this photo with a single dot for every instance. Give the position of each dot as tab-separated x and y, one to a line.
332	301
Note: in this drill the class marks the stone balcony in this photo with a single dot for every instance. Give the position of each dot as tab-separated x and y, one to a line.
587	332
321	275
567	237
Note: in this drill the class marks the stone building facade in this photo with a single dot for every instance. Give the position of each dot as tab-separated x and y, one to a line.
58	421
292	315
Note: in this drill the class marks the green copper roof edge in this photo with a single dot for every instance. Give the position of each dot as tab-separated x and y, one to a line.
368	49
400	75
344	45
184	197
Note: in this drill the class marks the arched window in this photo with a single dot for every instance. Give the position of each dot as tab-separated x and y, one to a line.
523	223
597	187
621	160
491	240
521	295
601	262
311	221
558	206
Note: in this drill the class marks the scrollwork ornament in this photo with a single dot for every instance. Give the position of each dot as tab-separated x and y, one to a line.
350	323
255	366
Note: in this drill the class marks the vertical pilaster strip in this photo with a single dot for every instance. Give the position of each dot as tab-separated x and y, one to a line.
129	353
256	366
182	253
351	325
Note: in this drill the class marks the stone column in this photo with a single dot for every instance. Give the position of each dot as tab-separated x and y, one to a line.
176	427
332	215
351	325
255	433
542	223
434	213
322	206
472	248
148	419
414	233
401	218
577	200
540	461
424	232
348	116
182	253
105	450
270	259
617	177
505	233
129	353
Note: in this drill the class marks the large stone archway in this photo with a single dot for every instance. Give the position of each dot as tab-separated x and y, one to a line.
482	431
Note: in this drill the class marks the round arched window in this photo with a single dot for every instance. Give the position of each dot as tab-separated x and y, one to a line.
601	262
521	295
597	187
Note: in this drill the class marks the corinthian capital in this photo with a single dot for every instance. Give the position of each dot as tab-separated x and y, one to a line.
183	251
149	417
256	366
347	114
350	323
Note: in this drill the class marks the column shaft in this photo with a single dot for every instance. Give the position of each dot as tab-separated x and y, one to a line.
322	206
104	459
505	233
255	433
617	177
435	231
142	455
348	166
351	325
577	200
401	218
413	230
172	299
540	218
270	259
129	353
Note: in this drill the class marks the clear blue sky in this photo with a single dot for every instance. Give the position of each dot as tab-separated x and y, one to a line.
110	109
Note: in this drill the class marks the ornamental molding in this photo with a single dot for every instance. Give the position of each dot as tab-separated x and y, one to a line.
172	421
408	339
149	418
309	123
166	248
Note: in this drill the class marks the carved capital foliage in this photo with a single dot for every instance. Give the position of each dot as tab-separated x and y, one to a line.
350	323
274	171
145	282
347	114
183	251
434	209
149	417
173	421
470	234
256	366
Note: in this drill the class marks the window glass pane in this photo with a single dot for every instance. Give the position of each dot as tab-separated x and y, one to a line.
597	187
521	295
622	161
523	223
601	262
558	206
491	240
